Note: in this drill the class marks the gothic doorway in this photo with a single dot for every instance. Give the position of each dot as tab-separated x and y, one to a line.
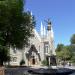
33	61
33	56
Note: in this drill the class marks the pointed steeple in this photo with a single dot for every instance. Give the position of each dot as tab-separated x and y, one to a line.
31	13
41	31
52	33
44	31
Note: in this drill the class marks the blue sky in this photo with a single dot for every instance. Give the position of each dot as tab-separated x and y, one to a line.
61	13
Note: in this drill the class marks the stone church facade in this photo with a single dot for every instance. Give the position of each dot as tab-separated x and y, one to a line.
41	46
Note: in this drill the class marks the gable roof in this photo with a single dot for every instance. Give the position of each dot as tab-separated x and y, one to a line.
36	34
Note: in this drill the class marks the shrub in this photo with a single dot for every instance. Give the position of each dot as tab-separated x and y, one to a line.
22	62
45	63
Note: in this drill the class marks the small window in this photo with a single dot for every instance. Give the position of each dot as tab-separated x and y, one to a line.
14	59
46	47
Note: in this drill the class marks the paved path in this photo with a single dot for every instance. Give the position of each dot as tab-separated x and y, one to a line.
69	67
54	67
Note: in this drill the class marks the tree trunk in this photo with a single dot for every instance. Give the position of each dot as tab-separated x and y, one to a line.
1	63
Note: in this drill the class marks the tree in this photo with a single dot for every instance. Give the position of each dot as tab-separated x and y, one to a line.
4	53
72	39
63	52
45	63
67	54
59	47
22	62
59	50
16	25
72	48
15	22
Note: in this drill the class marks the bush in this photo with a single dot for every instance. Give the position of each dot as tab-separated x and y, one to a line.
22	62
45	63
73	59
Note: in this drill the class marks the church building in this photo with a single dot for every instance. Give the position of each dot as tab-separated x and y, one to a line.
41	45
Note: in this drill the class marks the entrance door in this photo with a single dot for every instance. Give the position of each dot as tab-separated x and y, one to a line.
33	60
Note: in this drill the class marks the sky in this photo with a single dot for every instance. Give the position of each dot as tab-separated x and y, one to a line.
61	14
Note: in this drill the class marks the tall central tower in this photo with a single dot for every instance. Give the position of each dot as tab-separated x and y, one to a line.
50	37
49	25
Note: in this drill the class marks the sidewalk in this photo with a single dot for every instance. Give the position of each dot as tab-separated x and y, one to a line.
38	66
69	67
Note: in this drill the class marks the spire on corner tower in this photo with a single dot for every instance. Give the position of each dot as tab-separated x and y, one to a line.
44	31
31	13
52	33
41	29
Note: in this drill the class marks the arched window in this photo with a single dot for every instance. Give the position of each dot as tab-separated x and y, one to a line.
46	47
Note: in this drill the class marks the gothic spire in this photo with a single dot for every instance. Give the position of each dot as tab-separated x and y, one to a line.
43	30
52	33
31	13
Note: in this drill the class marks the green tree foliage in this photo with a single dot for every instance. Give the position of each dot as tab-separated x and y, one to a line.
63	52
72	47
59	47
67	54
59	50
16	25
73	58
4	51
4	55
22	62
45	63
72	39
